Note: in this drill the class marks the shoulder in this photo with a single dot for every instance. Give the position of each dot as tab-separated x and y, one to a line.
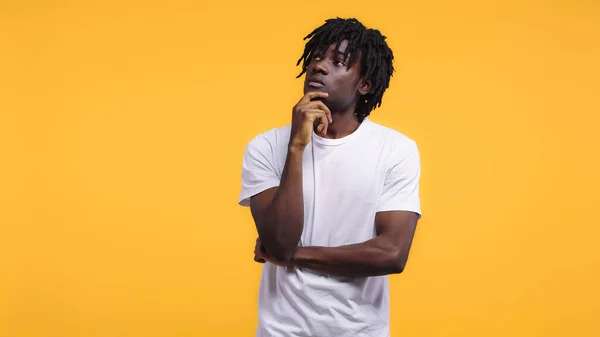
270	139
394	142
269	146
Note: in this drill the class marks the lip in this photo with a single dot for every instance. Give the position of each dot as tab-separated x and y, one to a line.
315	82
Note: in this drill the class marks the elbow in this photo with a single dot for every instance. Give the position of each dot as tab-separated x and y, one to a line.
283	258
282	254
280	245
397	262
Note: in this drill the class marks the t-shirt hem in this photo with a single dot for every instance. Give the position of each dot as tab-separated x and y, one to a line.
400	208
244	199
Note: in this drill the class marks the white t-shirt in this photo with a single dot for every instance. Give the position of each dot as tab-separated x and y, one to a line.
346	182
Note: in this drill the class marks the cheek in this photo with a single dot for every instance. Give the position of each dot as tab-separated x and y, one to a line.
343	87
346	92
348	83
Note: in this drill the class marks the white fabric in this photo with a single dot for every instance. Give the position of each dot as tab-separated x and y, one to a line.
346	181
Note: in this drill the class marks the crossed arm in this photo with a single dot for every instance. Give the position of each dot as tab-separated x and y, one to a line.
279	214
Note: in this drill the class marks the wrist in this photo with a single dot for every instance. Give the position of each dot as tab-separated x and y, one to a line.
296	149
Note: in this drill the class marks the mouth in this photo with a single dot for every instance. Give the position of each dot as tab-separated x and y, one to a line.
315	82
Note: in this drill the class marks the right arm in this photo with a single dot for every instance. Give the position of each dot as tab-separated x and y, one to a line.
278	212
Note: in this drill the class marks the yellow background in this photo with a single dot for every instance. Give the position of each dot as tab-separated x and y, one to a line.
122	129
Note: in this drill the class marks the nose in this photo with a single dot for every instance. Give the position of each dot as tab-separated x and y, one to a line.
318	66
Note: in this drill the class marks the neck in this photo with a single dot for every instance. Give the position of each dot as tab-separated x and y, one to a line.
343	124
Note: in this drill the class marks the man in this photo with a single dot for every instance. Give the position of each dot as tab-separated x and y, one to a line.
335	196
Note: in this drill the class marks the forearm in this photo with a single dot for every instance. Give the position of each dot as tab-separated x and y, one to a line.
371	258
284	219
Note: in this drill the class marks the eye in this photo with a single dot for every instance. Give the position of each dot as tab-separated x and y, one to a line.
339	63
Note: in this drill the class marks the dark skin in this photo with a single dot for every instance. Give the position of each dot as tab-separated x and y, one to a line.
343	85
328	109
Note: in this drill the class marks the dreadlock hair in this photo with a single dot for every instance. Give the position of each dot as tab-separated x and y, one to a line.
367	44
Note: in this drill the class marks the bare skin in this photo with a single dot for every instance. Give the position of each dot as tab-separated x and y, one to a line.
332	88
385	254
279	212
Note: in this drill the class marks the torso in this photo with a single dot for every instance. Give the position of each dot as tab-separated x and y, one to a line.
342	180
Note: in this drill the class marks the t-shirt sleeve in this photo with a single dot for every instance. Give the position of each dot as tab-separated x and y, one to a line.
259	171
401	184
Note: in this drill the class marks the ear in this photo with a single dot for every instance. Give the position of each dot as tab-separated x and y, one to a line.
364	86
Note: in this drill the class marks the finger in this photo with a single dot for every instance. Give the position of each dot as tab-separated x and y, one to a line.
257	249
321	106
319	120
320	128
317	117
312	95
324	129
314	113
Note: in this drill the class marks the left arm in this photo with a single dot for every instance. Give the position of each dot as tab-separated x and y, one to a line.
385	254
395	225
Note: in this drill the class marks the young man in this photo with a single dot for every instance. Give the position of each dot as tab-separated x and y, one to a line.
335	196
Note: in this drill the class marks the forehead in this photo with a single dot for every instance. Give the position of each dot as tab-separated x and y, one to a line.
331	48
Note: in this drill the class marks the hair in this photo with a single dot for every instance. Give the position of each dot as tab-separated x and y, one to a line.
366	44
